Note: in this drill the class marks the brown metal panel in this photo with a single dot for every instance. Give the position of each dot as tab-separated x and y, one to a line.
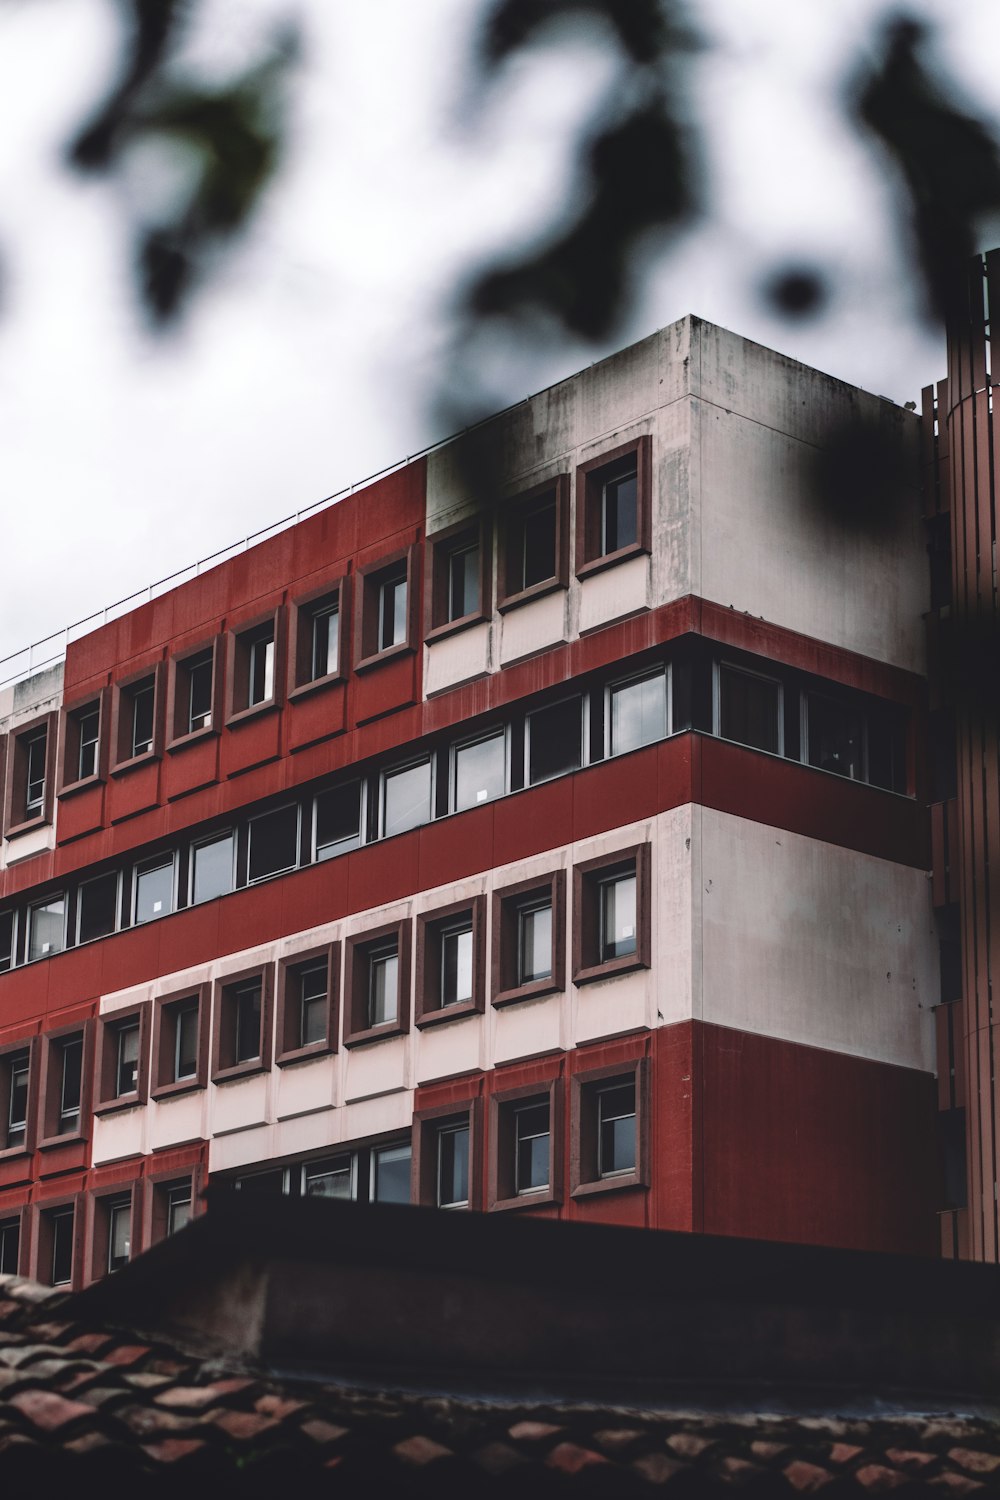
970	506
944	446
977	328
984	496
988	1145
954	853
928	452
938	856
943	1055
959	515
949	1234
962	1225
959	1090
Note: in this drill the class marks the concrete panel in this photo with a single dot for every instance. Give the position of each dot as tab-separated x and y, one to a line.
671	976
134	996
120	1135
26	845
612	1006
175	1120
375	1068
529	1028
454	1047
241	1149
816	944
532	627
374	1116
306	1133
617	592
239	1104
457	658
304	1087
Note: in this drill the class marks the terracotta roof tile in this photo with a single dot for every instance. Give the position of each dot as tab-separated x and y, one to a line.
975	1462
48	1411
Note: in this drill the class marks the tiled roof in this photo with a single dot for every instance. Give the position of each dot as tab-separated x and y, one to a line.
89	1405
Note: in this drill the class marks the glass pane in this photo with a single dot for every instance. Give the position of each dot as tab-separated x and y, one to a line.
463	583
154	892
98	907
480	771
88	726
453	1166
178	1209
6	940
325	642
72	1067
247	1002
638	713
142	719
274	843
313	998
535	944
456	965
332	1178
119	1236
532	1133
274	1181
538	538
338	819
618	517
62	1247
406	798
18	1109
212	869
10	1245
35	776
383	995
261	670
749	709
128	1059
186	1043
47	927
200	691
392	623
554	740
836	736
616	1129
618	933
391	1175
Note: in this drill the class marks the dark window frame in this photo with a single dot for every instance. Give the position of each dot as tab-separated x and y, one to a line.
224	1064
508	904
18	1218
44	1213
50	1085
106	1099
17	819
424	1162
230	832
503	1144
240	639
591	478
248	820
360	947
9	1053
396	768
71	714
367	595
511	591
723	664
147	866
163	1083
584	1089
155	1207
439	550
428	1010
102	1200
541	708
302	611
287	1048
30	909
179	731
123	719
117	875
588	876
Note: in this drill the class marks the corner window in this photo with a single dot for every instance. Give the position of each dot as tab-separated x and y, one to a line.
554	740
253	666
458	578
611	914
748	708
636	712
613	506
406	797
154	889
451	961
609	1126
242	1043
379	984
97	906
534	529
212	862
273	844
384	609
529	939
479	770
179	1042
47	927
307	1015
337	820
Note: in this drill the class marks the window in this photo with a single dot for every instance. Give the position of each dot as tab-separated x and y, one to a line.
29	781
384	609
70	1084
748	708
307	1010
65	1066
154	888
82	749
212	863
524	1144
254	657
406	797
192	693
273	843
390	1174
119	1230
330	1178
554	740
127	1059
529	939
609	1128
458	578
378	978
337	820
180	1042
613	506
534	554
446	1169
611	914
172	1204
6	940
10	1246
375	1173
47	927
88	727
479	770
242	1040
178	1207
136	733
834	733
636	712
16	1133
324	641
316	641
451	961
122	1058
56	1246
97	906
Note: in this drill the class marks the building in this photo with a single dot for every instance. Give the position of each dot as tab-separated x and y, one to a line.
566	854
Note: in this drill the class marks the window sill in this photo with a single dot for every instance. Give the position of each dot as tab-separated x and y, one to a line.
611	559
315	685
53	1142
177	1088
592	973
444	1013
525	596
304	1054
193	737
119	1105
453	627
15	1153
542	1198
254	711
534	991
374	1034
27	825
70	788
608	1185
391	653
235	1071
134	762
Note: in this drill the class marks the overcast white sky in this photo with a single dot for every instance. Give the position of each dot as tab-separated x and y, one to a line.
309	362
